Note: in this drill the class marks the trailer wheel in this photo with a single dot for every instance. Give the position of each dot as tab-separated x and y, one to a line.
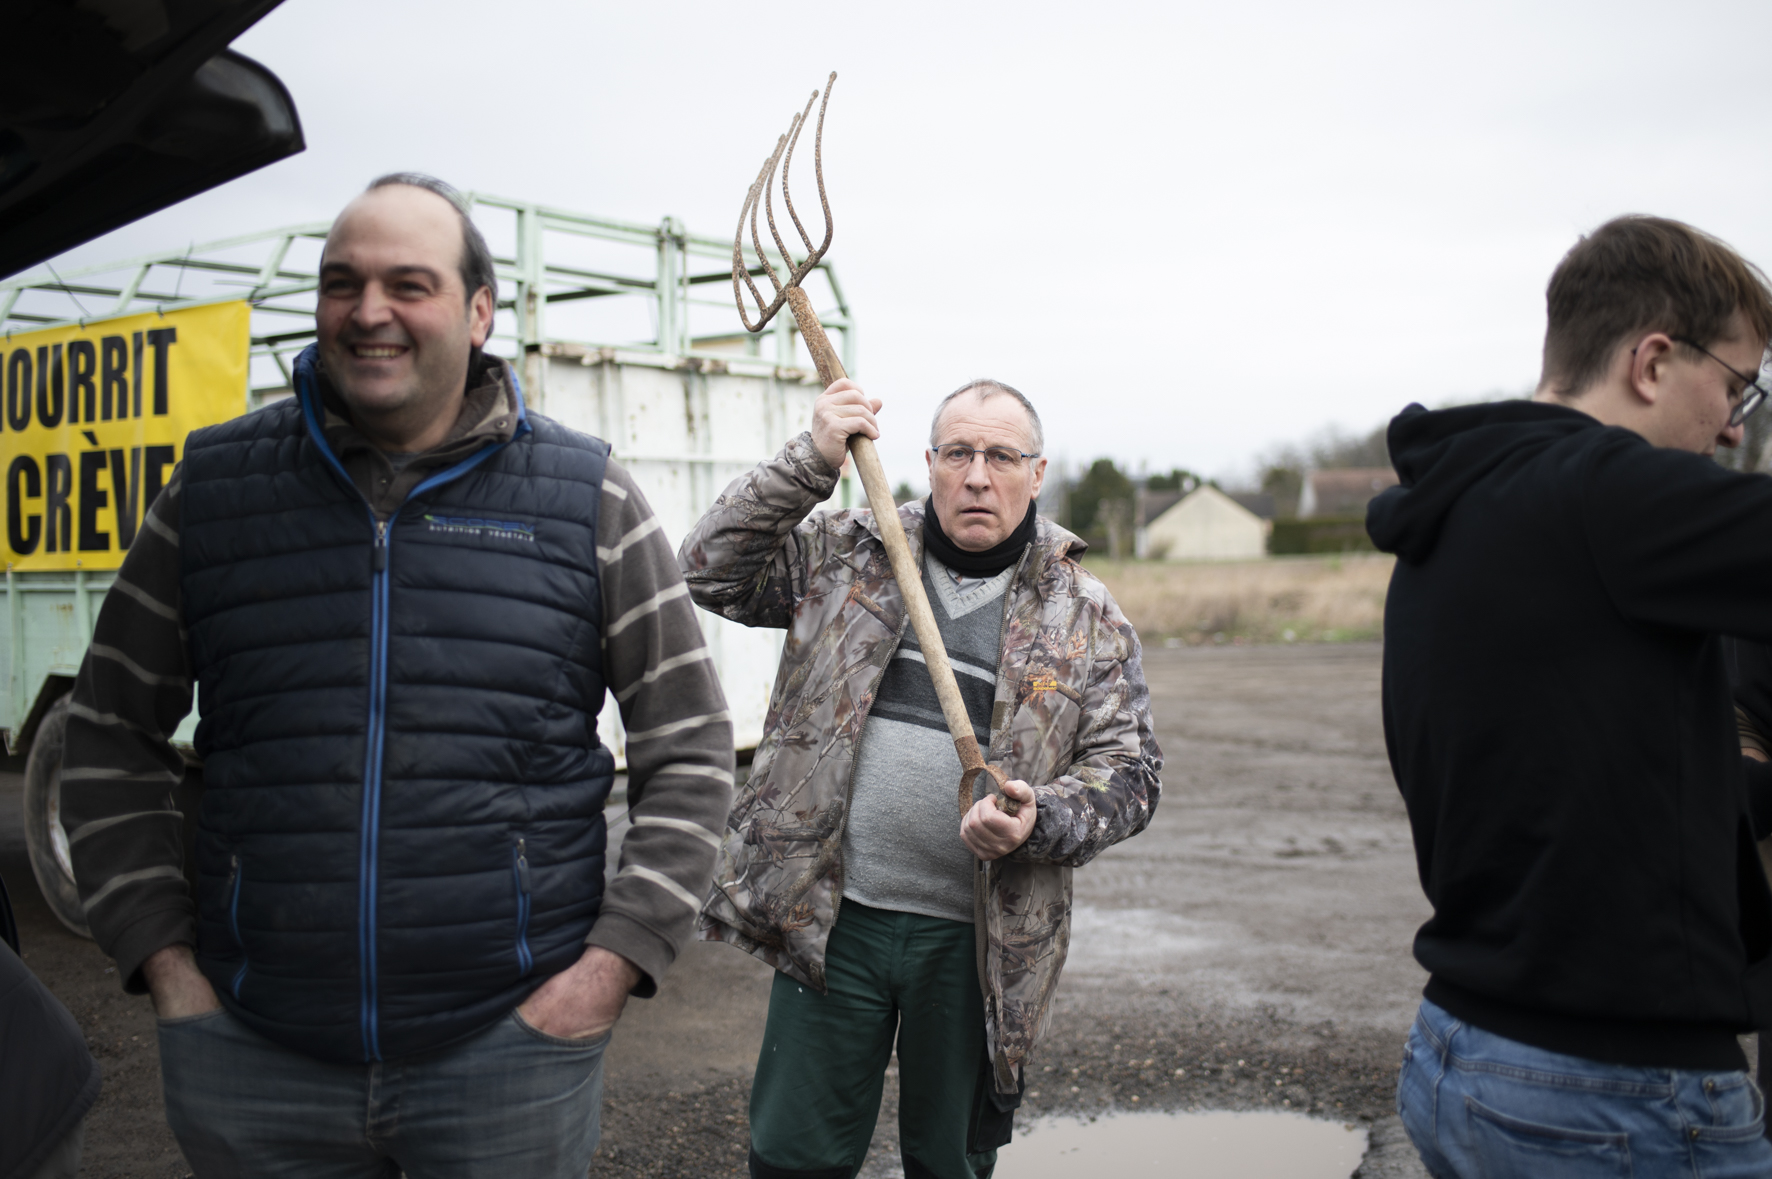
45	837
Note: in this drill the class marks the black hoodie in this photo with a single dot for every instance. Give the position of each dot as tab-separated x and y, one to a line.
1559	722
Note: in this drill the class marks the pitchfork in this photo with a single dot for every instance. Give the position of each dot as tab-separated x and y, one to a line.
861	447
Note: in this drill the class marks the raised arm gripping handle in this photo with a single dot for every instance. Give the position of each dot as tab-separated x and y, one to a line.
904	568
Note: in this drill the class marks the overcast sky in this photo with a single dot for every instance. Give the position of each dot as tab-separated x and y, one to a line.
1187	231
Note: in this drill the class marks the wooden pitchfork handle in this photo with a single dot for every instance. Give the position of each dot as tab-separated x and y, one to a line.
904	568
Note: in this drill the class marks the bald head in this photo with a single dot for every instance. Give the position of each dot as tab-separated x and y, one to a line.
417	226
473	258
985	389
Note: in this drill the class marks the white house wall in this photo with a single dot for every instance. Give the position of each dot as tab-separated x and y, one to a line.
683	436
1207	526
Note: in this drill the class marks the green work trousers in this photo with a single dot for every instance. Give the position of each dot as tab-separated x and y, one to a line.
816	1095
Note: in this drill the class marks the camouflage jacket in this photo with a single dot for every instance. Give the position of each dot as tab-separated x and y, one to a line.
1071	718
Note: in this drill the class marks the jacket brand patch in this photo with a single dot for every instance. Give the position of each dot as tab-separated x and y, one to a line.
478	526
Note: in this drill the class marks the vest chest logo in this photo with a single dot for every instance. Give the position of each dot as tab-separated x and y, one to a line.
514	531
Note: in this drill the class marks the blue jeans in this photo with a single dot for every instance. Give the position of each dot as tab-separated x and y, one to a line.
506	1101
1479	1106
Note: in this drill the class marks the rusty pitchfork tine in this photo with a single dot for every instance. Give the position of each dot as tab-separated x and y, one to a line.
762	194
796	270
814	252
754	202
787	259
739	268
867	459
766	311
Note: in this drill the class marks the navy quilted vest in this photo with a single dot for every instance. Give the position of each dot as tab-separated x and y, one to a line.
402	830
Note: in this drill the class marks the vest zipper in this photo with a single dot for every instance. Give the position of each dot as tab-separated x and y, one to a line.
520	869
370	826
234	920
380	555
375	738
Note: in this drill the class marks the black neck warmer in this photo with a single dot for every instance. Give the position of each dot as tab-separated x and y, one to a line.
968	564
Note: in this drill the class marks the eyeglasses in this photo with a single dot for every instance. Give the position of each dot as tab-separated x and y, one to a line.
1753	389
958	456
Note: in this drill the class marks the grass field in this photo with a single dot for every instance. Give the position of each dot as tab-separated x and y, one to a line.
1284	599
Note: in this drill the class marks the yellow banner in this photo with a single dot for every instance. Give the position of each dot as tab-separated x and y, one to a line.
94	418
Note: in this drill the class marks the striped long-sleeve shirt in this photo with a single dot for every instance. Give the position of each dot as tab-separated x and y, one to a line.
134	688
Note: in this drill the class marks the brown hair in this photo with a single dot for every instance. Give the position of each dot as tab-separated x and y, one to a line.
1640	274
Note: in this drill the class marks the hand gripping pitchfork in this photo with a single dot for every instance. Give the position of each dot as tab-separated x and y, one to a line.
867	459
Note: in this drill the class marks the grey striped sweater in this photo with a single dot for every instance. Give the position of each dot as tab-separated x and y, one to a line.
134	688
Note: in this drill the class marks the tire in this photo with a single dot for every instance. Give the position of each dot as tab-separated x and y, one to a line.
45	838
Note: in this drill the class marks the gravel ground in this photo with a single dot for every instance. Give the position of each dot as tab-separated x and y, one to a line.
1249	951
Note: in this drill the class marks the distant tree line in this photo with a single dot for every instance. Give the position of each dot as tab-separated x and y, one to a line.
1098	504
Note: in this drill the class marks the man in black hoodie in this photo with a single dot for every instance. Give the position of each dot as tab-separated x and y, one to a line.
1559	722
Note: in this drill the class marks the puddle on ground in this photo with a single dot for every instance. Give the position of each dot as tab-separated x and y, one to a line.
1182	1145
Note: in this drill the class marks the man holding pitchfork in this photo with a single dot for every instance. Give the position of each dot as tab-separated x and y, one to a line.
846	863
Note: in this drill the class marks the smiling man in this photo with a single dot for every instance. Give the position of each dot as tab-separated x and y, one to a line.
403	597
892	910
1560	725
